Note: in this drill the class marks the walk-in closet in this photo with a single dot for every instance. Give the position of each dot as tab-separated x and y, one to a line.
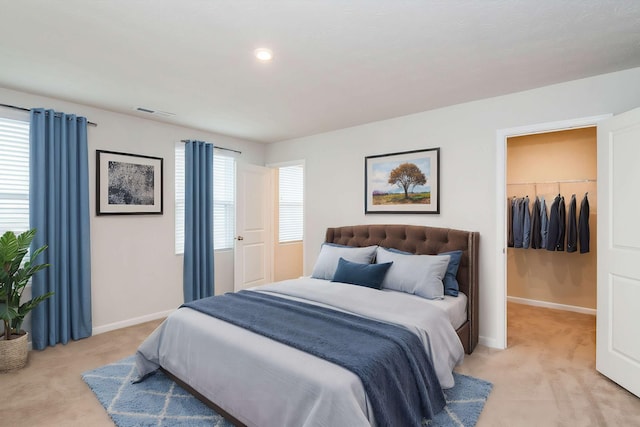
555	172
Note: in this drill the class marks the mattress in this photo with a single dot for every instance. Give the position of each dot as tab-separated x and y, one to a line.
455	307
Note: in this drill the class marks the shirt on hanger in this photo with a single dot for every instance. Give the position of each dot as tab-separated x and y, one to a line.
583	225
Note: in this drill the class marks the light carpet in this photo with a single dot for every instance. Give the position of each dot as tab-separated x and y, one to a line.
159	401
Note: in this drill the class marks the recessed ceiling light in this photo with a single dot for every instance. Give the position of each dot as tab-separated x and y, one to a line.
263	54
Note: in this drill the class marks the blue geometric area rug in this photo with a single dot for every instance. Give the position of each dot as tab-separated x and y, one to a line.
158	401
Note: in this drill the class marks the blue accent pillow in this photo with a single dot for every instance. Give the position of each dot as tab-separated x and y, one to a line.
369	275
450	282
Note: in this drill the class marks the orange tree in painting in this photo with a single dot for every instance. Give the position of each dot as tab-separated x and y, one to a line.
405	176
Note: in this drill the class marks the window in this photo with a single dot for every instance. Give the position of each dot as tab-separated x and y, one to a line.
179	180
224	201
291	202
14	175
224	204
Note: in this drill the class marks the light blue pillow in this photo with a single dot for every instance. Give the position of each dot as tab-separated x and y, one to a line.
369	275
450	282
420	275
327	261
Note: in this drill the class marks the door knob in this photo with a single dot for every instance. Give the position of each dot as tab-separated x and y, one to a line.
240	238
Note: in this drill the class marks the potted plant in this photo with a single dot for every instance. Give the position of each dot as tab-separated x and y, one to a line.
14	276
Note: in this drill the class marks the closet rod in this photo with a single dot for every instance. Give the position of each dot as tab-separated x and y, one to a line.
217	148
26	109
565	181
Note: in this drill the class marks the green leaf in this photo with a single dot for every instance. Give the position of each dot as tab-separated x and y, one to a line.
24	239
14	276
38	252
8	248
25	308
7	312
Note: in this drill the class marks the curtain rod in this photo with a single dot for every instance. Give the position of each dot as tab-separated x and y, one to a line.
26	109
566	181
218	148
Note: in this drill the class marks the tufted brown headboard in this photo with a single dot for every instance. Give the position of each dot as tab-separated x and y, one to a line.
425	241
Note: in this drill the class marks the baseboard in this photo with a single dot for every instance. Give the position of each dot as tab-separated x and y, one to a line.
552	305
123	324
131	322
489	342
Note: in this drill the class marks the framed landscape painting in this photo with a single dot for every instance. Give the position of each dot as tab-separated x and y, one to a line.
128	184
401	183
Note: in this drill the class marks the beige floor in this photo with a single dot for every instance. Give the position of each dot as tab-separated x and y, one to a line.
546	377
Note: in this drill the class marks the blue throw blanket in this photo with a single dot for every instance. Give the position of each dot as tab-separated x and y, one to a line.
391	362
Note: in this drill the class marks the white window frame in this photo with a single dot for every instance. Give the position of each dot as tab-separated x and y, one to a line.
223	240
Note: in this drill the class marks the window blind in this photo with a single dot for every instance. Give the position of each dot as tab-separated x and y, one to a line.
291	202
224	201
224	215
14	175
179	193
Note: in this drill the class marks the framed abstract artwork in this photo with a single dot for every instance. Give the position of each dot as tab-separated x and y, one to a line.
403	183
128	184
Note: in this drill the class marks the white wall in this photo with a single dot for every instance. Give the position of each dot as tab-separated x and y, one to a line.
135	273
466	133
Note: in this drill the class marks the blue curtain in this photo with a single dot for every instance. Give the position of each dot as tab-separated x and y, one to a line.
198	222
59	210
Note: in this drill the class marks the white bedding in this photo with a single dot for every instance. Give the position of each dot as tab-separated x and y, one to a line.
455	307
265	383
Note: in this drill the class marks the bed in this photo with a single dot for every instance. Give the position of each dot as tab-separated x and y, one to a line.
255	381
426	241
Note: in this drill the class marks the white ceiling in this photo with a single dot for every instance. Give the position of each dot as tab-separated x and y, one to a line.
337	63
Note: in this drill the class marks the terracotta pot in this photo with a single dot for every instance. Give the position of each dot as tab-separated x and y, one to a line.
14	352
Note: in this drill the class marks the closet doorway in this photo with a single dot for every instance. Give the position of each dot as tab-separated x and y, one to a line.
502	135
550	175
617	260
552	169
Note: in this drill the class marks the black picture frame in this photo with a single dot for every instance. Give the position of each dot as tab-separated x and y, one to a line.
383	195
128	184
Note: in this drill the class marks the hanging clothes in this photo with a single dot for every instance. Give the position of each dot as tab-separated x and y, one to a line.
544	224
518	222
526	224
562	221
510	203
554	225
536	238
583	225
572	228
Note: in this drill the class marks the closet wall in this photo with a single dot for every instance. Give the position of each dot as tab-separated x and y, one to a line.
544	165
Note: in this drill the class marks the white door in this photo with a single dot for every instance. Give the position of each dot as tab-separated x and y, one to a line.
254	225
617	337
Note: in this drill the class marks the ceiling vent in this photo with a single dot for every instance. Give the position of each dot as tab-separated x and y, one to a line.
154	112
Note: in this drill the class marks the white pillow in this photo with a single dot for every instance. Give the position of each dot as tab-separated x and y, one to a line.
414	274
327	261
